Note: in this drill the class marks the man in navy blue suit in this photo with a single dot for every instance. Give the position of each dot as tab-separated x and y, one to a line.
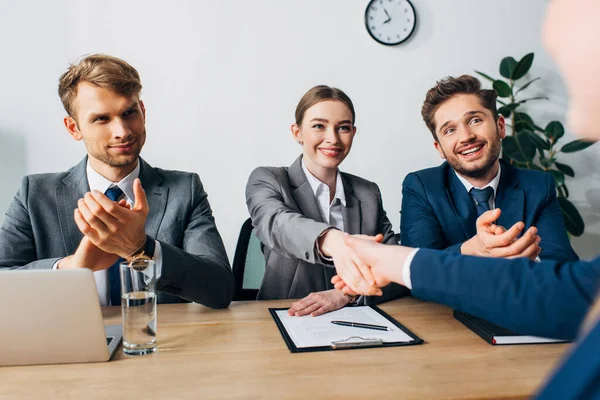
440	205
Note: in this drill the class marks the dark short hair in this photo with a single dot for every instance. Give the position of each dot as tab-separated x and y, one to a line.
101	70
318	94
449	87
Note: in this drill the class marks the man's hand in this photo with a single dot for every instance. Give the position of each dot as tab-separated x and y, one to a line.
88	256
356	273
495	241
110	226
318	303
386	263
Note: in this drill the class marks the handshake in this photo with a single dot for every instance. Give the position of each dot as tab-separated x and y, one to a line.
364	265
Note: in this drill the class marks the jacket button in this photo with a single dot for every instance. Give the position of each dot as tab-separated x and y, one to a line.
306	255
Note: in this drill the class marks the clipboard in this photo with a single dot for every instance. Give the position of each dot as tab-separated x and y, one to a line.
352	341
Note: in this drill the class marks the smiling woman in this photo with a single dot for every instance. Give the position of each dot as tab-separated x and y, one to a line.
300	213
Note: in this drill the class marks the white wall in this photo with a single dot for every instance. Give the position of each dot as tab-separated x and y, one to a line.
222	79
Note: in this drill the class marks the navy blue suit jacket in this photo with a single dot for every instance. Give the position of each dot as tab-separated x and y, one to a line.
548	298
439	213
578	375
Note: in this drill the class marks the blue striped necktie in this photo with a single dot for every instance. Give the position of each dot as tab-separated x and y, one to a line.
114	279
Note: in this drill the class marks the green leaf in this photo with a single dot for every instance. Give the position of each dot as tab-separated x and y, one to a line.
525	86
534	98
576	145
538	141
507	109
519	148
566	191
572	218
526	146
501	102
554	131
522	66
502	88
521	116
546	162
489	78
565	169
559	177
536	167
510	147
523	126
507	66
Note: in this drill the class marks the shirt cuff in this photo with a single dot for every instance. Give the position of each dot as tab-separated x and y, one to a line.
55	265
406	268
321	256
158	259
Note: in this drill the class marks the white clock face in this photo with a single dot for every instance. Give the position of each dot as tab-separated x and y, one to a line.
390	22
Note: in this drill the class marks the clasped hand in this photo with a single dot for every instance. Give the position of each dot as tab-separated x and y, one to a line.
111	230
112	227
357	274
494	240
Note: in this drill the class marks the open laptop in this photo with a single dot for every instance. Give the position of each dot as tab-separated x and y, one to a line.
53	317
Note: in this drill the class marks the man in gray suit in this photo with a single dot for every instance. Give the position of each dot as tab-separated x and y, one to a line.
97	212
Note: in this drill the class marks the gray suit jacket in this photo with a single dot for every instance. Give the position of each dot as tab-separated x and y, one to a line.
287	220
39	229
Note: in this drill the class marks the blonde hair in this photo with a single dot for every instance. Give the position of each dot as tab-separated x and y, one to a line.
101	70
318	94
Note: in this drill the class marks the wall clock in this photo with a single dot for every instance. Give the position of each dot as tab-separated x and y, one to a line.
390	22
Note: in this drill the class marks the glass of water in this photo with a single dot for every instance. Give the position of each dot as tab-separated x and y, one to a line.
138	305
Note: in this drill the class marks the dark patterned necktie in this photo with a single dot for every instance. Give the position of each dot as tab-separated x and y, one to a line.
482	197
114	280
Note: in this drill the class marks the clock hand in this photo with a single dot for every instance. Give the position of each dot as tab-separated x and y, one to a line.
386	13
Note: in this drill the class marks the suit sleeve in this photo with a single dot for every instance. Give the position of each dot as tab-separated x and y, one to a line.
17	241
419	225
199	272
278	226
393	290
551	227
547	299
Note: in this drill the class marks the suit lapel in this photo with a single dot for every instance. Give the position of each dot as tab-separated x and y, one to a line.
75	185
351	213
157	197
509	198
302	192
463	204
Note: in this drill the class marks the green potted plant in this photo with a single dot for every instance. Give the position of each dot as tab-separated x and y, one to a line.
526	140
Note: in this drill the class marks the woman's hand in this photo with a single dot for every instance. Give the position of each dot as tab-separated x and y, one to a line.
357	275
318	303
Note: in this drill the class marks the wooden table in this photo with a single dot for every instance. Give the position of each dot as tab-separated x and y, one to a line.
239	353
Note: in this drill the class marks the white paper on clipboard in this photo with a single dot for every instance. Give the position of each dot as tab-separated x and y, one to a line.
308	331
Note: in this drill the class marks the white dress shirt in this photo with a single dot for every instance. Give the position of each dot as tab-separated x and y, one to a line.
493	184
331	211
101	184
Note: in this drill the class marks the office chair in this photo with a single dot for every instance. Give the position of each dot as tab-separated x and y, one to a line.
248	264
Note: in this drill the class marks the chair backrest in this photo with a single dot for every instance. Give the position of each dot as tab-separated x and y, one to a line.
248	264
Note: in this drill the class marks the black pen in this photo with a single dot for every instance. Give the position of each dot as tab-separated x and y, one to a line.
361	325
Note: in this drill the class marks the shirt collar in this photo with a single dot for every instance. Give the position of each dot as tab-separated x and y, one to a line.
316	185
100	183
493	183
